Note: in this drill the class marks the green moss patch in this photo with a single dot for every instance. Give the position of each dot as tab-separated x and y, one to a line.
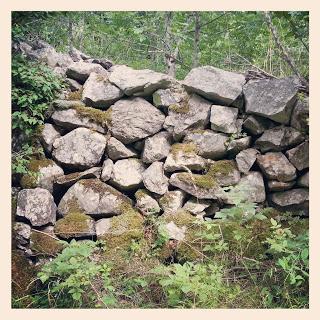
75	95
182	107
98	116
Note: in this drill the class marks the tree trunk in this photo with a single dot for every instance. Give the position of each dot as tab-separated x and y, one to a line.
70	31
167	37
197	30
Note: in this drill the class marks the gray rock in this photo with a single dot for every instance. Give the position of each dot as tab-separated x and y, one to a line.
223	119
225	172
72	119
171	201
105	63
194	114
222	87
77	55
37	206
60	104
196	206
79	149
146	204
245	159
299	156
73	84
98	92
300	115
154	178
166	97
157	147
274	185
127	174
48	135
137	82
174	232
210	145
103	226
134	119
107	168
237	145
93	197
303	181
278	139
257	125
81	71
22	233
117	150
271	98
276	166
291	200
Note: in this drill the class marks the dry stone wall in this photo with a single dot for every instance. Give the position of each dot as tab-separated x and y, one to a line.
139	140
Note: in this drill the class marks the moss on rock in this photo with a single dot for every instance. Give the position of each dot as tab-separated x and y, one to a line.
96	115
75	95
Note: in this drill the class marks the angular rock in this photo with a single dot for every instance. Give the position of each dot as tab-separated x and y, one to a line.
117	150
166	97
223	119
278	139
73	84
105	63
196	206
98	92
139	145
300	115
81	71
127	174
157	147
137	82
237	145
291	200
191	114
303	181
274	185
245	159
299	156
257	125
134	119
145	203
79	149
171	201
22	232
271	98
107	168
77	55
174	232
72	119
37	206
103	226
94	198
224	172
222	87
210	145
154	178
276	166
48	135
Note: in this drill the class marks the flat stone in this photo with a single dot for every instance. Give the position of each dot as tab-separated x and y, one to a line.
146	204
107	168
256	125
48	135
274	185
171	201
299	156
81	70
196	206
303	181
154	178
271	98
224	119
245	159
163	98
37	206
134	119
276	166
79	149
117	150
220	86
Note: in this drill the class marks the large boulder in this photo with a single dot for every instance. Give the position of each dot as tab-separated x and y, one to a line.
94	198
223	119
222	87
37	206
299	156
271	98
157	147
137	82
193	113
117	150
210	145
127	174
278	139
300	115
48	135
145	203
246	158
81	70
134	119
98	92
256	125
171	201
276	166
79	149
154	178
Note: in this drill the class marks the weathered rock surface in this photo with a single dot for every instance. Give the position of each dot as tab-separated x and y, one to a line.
154	178
278	139
37	206
196	206
157	147
237	145
303	181
137	82
174	232
134	119
73	84
79	149
98	92
276	166
299	156
102	226
191	114
210	145
127	174
256	125
293	200
171	201
300	115
223	119
225	172
81	71
94	198
22	232
145	203
246	158
271	98
274	185
60	104
166	97
117	150
107	168
48	135
218	85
